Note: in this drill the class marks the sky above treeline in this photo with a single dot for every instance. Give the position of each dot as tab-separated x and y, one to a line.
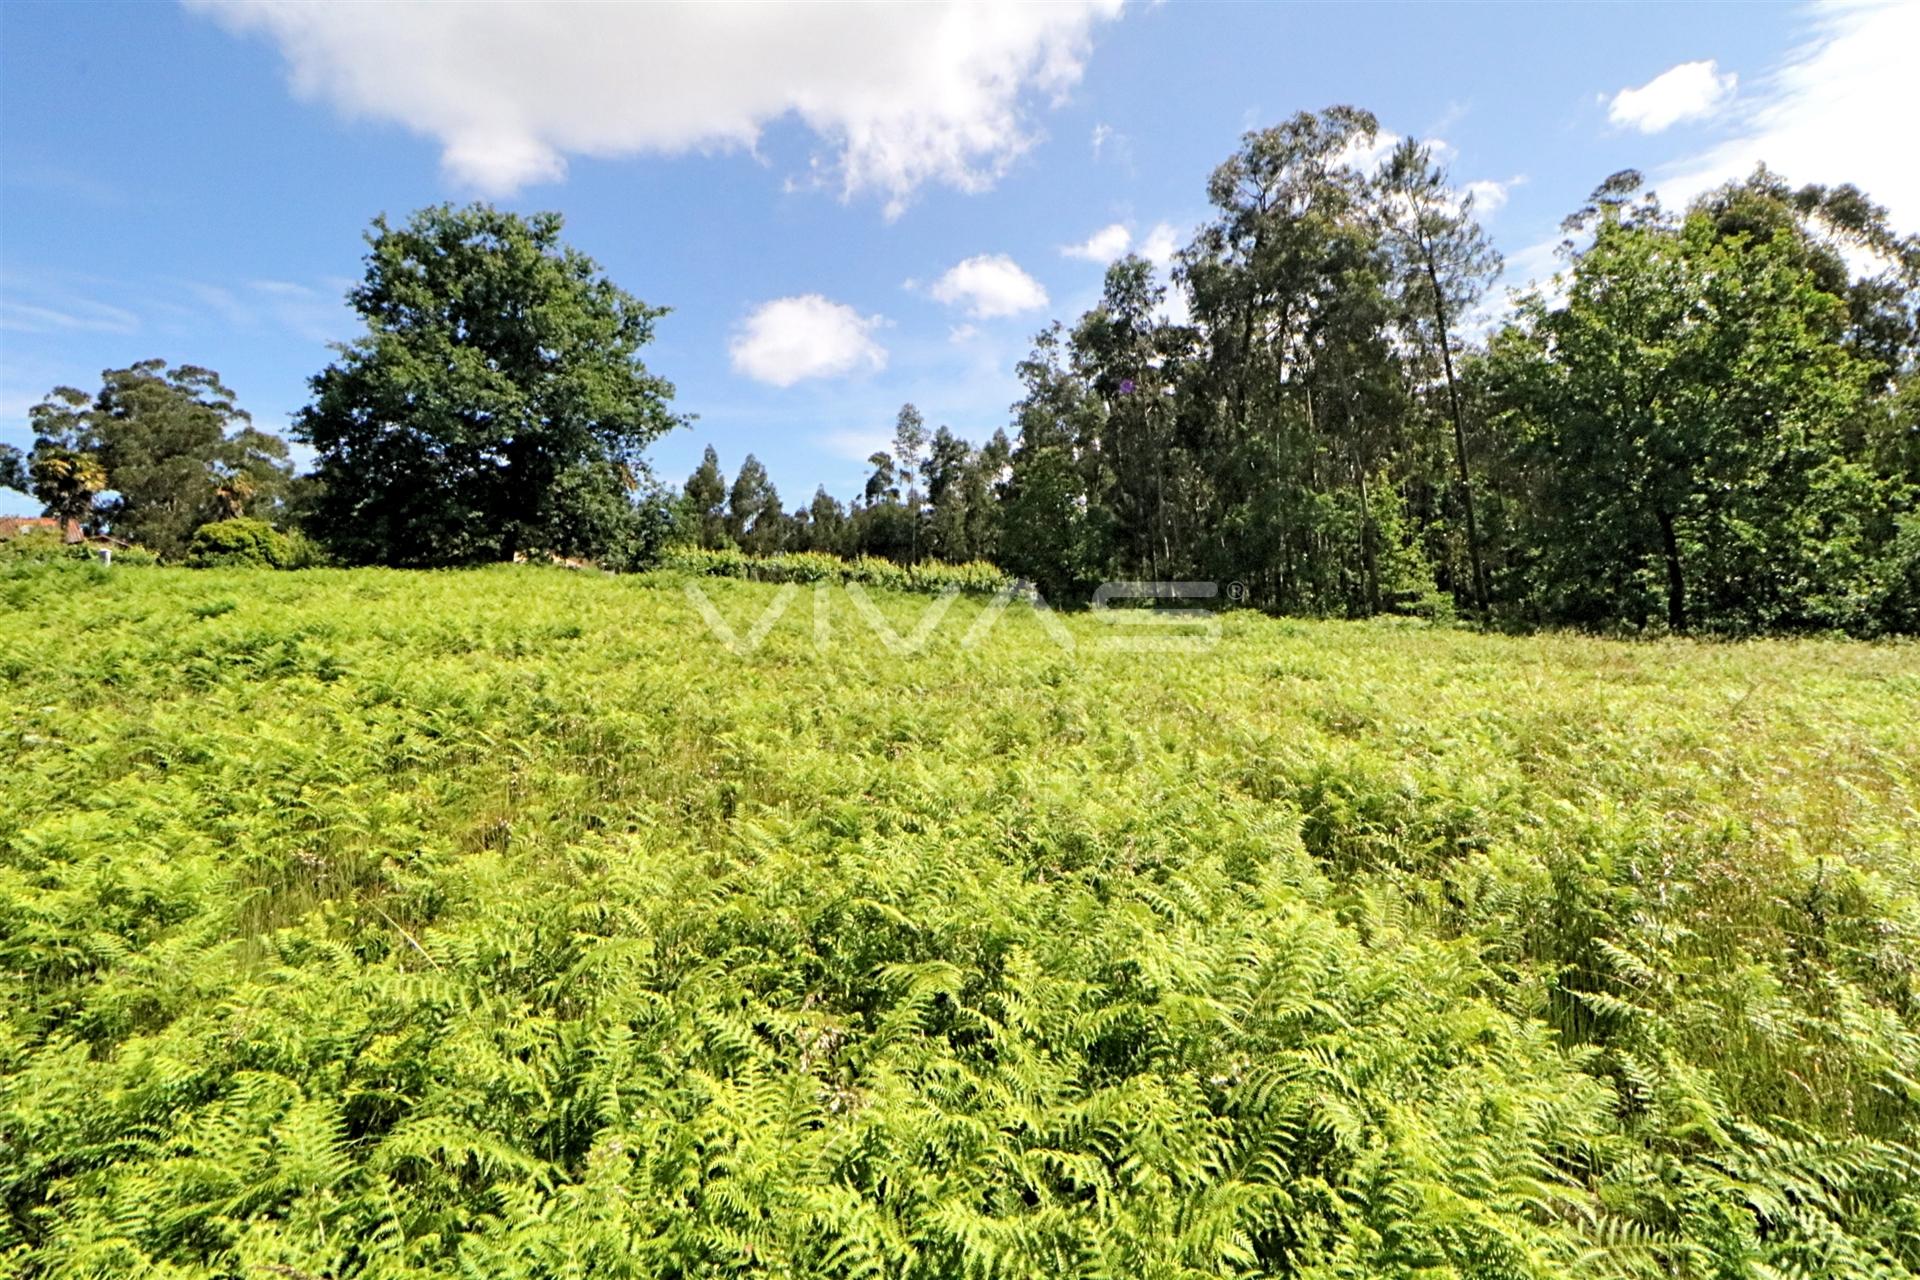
845	207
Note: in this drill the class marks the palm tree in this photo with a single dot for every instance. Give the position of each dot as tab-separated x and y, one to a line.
66	482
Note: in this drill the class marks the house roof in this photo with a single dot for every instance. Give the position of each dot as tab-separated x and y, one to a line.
14	526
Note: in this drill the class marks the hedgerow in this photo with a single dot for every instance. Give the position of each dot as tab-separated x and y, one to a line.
504	923
975	577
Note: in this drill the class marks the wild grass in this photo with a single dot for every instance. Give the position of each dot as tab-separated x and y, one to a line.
507	923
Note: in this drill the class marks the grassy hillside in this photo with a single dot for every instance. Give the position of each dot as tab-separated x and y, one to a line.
505	923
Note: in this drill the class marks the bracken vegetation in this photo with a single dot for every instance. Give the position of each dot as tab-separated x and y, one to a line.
504	923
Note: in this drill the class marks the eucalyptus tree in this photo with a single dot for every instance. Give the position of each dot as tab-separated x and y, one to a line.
1443	263
179	452
1284	281
153	455
704	500
950	461
1053	530
909	464
755	519
13	469
1118	354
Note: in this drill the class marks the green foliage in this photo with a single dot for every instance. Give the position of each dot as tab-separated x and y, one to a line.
45	546
974	577
502	923
171	445
13	469
38	546
496	404
1707	378
249	544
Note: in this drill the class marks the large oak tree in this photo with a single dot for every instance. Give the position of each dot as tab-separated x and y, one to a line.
498	387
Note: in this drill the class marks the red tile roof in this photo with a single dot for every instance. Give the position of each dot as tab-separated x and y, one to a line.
13	526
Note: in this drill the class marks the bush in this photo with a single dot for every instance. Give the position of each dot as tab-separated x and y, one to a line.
246	543
38	546
974	578
45	546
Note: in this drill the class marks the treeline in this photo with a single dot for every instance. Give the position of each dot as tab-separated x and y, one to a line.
1709	421
930	497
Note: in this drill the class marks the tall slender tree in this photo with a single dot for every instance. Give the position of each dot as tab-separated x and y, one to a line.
1445	263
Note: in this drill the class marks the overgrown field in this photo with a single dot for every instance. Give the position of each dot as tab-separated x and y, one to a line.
505	923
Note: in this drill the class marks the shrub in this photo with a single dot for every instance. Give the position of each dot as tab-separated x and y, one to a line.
41	545
248	543
974	578
45	546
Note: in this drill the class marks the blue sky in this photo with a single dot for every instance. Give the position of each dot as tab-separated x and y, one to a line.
845	209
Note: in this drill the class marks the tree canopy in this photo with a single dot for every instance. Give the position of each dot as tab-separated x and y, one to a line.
151	456
496	403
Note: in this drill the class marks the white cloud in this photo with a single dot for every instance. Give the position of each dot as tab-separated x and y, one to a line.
989	286
1112	146
1160	245
790	339
1690	91
962	334
1489	194
901	95
1828	113
67	315
1108	244
1368	156
280	288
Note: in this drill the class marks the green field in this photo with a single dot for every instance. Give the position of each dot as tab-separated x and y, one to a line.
505	923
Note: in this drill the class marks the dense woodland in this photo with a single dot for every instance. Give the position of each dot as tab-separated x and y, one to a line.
1710	420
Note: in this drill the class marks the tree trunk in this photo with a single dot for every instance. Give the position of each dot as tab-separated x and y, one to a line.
1366	545
1459	438
1676	580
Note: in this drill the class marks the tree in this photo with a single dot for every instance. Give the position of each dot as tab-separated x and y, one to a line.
1445	263
13	469
66	481
706	500
826	523
179	453
1050	534
950	495
168	449
496	363
755	518
882	485
1678	421
909	444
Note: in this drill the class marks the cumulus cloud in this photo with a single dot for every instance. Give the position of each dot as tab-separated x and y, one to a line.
791	339
1160	244
1828	113
990	286
900	95
1108	244
1690	91
1489	194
